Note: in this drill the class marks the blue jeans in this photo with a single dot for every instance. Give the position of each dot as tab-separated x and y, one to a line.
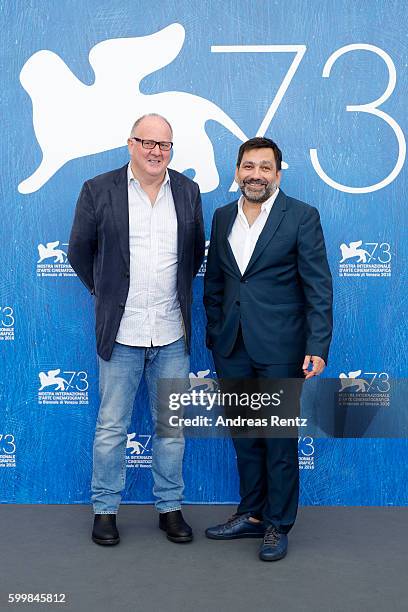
119	379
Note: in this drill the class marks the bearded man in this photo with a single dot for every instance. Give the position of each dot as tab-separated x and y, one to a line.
268	299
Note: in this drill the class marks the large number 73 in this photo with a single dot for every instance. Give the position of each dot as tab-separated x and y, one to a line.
371	108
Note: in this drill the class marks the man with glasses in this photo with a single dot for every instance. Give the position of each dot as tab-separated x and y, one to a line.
136	243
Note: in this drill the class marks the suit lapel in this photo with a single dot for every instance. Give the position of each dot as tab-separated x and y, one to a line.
120	211
274	219
225	231
179	204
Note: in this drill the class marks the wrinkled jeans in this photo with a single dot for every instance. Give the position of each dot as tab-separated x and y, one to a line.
119	380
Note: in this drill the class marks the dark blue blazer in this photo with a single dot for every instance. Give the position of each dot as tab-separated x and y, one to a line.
99	248
284	298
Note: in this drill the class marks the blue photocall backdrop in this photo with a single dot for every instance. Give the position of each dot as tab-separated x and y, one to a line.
327	80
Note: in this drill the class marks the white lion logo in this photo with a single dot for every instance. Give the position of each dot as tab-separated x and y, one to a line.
51	378
199	380
50	250
137	447
72	119
351	380
353	251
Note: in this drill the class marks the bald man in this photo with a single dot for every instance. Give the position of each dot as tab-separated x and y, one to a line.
136	243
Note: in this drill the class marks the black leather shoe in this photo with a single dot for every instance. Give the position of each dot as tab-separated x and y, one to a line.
104	530
175	526
238	526
275	545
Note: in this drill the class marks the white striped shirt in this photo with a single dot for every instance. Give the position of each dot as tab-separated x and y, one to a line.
152	315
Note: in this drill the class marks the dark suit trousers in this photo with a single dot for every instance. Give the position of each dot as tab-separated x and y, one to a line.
268	467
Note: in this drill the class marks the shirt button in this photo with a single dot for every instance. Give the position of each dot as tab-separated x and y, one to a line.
238	302
121	305
126	275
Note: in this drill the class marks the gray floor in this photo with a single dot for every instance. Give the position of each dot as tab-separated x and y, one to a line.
340	559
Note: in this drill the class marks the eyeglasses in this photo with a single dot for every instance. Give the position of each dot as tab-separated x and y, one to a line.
150	144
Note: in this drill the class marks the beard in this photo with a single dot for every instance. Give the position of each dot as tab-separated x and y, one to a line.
258	196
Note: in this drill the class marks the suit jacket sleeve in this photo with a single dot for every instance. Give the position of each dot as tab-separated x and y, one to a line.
213	284
83	238
315	276
199	238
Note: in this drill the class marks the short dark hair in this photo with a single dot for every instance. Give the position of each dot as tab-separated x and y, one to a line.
260	143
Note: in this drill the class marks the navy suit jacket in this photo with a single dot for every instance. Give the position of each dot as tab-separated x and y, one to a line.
99	248
284	298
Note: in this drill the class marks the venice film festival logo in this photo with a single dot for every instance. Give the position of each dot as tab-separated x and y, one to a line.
52	260
138	450
358	388
114	99
7	321
306	451
7	451
201	380
63	387
368	259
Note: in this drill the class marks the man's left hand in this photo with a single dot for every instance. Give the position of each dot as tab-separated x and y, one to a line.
318	366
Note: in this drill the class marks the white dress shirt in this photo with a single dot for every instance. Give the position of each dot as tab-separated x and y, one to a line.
243	237
152	315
